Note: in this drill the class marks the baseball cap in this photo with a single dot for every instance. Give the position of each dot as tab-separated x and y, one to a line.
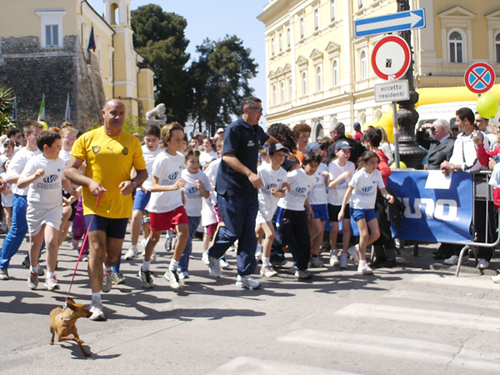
312	146
344	145
220	130
277	147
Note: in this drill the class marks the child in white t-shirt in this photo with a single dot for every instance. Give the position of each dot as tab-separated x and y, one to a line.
44	174
197	186
274	179
341	171
318	198
150	151
293	214
363	187
166	209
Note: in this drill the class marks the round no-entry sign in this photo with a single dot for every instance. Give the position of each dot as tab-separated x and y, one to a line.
479	78
391	57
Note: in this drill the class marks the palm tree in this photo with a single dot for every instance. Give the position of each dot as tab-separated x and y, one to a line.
6	108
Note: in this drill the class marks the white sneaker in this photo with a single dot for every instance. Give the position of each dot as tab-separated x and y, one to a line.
144	242
247	282
96	310
315	262
173	277
153	256
131	253
344	261
496	279
268	271
364	268
354	252
224	263
483	264
451	260
334	259
204	258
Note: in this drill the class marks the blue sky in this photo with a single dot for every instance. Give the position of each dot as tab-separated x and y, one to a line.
214	19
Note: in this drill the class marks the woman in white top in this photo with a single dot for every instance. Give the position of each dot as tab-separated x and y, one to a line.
363	187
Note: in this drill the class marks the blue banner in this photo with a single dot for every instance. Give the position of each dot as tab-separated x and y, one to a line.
433	215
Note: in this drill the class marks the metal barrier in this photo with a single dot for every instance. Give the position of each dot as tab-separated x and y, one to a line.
482	192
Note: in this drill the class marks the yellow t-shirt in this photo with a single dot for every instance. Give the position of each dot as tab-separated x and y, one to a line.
109	161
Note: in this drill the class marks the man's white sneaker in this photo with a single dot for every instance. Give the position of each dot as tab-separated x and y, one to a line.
354	252
482	264
173	277
214	266
224	263
364	268
344	261
496	279
247	282
96	310
303	274
451	260
131	253
107	282
334	259
268	271
146	279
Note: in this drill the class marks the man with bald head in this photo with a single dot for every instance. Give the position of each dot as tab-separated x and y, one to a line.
110	153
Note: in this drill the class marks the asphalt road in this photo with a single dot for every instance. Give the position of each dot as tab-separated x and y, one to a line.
413	319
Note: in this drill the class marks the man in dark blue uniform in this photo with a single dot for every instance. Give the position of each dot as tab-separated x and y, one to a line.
236	185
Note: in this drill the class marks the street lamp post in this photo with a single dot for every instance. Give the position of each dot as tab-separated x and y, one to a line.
409	151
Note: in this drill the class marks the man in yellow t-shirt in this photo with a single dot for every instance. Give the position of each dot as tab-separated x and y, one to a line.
110	153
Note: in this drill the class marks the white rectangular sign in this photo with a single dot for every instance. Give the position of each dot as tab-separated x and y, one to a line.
392	91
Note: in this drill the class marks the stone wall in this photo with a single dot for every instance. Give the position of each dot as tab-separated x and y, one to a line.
32	72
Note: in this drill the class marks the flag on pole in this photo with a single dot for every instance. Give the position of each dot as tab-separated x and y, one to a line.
91	45
67	117
41	113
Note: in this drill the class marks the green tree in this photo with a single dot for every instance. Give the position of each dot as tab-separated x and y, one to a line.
6	108
220	80
159	37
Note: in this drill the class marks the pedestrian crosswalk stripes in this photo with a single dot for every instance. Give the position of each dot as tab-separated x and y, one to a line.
465	280
256	366
421	316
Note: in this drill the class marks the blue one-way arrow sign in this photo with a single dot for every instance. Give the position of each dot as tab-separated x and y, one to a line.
413	19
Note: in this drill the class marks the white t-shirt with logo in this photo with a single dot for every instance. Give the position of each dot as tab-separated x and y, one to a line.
365	188
271	179
168	169
46	191
17	165
318	194
149	158
336	194
192	194
300	185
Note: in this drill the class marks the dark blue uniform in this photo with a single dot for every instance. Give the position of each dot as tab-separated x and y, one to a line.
236	196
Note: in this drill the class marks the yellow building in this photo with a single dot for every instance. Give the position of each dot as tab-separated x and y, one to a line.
43	51
319	73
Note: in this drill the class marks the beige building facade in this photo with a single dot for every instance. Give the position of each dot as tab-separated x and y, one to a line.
45	42
319	73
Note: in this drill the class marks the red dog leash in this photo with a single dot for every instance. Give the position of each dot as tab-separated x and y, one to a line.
81	249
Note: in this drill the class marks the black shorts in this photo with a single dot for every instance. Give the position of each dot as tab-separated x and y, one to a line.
114	228
333	212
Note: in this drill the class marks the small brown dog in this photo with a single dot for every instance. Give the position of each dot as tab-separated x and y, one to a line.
63	321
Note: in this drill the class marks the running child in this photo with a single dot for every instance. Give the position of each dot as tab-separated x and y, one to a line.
44	212
341	171
165	206
150	150
293	214
197	186
363	187
274	179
